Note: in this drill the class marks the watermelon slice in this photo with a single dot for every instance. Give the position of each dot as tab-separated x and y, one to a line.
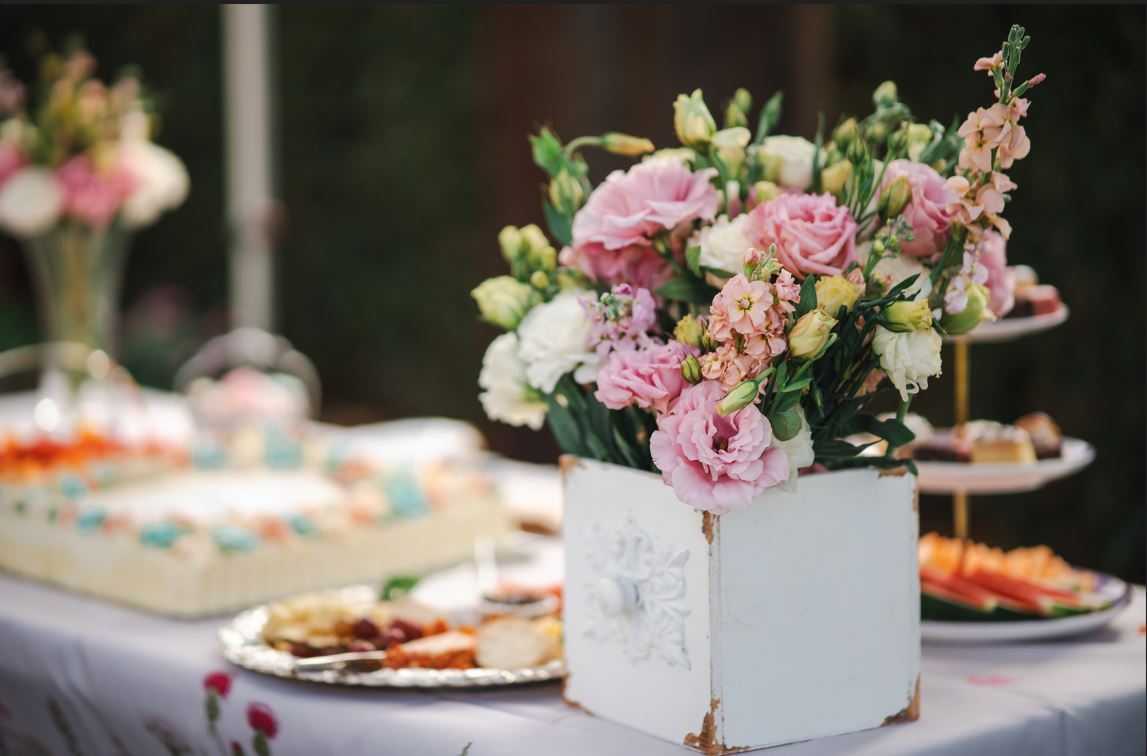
939	603
1047	600
1007	609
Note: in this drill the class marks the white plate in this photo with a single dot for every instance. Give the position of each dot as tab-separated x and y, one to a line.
998	478
1006	329
243	645
1111	588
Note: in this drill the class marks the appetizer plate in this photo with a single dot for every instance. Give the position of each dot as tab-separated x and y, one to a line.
242	645
1111	588
998	478
1006	329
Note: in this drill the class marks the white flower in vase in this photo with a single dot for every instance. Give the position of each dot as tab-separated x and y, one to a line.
909	359
507	397
788	161
162	182
555	340
724	244
30	202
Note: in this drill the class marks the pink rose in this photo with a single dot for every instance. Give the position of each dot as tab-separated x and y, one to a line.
930	210
649	378
716	463
638	265
1001	283
813	234
92	195
11	160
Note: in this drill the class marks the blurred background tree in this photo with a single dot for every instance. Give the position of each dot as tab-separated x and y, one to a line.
401	152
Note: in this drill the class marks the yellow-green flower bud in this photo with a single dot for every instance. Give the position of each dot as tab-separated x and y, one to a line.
898	140
834	292
743	100
810	333
857	151
742	395
539	279
566	193
919	137
834	178
786	425
730	145
624	144
691	369
692	120
765	191
845	134
510	240
684	154
895	198
734	116
974	313
571	279
539	253
904	316
689	331
885	95
876	132
504	300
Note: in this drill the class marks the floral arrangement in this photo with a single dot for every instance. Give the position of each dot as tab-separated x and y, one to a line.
80	152
724	311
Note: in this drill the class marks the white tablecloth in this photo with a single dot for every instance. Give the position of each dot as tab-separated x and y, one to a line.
122	682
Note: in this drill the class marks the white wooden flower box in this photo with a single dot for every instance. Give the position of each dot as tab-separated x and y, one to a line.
797	618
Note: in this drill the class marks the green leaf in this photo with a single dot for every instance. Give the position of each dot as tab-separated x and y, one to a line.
566	431
547	152
398	584
770	116
807	301
687	288
891	430
796	385
561	226
693	259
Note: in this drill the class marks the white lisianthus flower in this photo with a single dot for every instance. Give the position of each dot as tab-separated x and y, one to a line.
895	268
909	359
162	182
724	244
507	397
30	202
788	161
799	451
555	340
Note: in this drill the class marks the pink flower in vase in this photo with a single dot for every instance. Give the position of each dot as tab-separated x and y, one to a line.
218	683
717	464
1001	281
649	378
262	720
92	194
928	211
639	265
11	160
812	232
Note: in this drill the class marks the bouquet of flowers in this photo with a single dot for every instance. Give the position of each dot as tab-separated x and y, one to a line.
80	152
724	311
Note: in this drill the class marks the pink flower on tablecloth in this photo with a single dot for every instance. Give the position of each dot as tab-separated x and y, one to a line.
218	683
929	212
990	680
237	748
649	377
262	720
716	463
91	194
812	232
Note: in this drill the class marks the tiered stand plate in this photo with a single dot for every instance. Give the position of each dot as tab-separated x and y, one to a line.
981	478
1007	329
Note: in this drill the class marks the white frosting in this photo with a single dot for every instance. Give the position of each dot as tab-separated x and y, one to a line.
211	495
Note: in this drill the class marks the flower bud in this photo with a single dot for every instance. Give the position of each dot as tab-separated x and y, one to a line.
834	292
764	191
510	240
539	279
734	116
743	100
905	316
810	333
972	315
919	137
834	178
786	425
898	140
539	253
845	134
857	151
684	154
566	194
624	144
504	300
895	198
876	132
742	395
692	120
689	331
885	95
691	369
730	145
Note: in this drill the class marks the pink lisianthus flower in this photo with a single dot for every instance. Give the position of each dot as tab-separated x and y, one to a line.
813	234
11	160
638	265
1001	280
717	464
649	378
928	212
92	195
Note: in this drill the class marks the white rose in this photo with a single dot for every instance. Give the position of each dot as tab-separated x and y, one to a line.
555	340
162	182
724	244
895	268
799	451
30	202
788	161
507	397
909	359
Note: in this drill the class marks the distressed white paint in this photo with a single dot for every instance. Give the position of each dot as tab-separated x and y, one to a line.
803	613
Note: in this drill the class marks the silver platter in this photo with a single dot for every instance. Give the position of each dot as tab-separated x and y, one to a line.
243	646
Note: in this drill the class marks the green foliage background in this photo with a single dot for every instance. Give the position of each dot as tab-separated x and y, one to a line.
402	151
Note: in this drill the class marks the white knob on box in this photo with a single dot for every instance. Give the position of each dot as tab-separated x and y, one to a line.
616	596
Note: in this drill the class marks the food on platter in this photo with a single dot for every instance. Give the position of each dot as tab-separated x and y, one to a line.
510	600
409	635
213	527
972	582
1033	437
1031	297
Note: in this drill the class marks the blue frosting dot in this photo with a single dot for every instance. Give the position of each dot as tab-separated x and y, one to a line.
160	535
208	455
302	524
92	519
73	486
281	452
405	494
230	538
105	475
